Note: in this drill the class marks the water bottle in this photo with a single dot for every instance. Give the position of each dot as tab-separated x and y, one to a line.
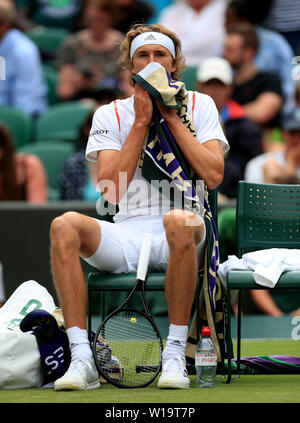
206	361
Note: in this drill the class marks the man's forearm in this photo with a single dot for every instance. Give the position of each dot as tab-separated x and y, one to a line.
124	161
207	162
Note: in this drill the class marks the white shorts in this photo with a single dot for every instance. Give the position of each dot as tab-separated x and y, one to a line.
120	245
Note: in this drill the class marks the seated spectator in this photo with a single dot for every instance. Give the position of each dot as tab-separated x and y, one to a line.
23	86
200	26
259	93
278	168
22	176
90	55
275	167
274	54
78	179
57	14
130	12
215	78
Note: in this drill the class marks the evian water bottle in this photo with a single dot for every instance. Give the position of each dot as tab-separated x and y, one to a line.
206	361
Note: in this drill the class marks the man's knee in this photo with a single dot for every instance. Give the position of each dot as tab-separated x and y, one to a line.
181	227
63	230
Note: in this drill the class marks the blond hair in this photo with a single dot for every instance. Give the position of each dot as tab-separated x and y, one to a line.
7	11
126	62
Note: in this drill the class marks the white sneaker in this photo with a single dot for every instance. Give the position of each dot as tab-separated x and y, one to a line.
81	375
174	374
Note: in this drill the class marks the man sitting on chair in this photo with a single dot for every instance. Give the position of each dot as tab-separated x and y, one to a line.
116	142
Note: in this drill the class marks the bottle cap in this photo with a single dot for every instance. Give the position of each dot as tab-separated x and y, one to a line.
205	331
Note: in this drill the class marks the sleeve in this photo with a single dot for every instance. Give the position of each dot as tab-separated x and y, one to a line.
207	122
104	134
29	88
272	83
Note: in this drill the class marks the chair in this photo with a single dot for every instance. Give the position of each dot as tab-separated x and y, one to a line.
53	155
189	77
267	216
103	283
48	40
61	122
50	76
19	124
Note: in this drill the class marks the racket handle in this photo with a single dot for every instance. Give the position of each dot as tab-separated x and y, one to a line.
144	257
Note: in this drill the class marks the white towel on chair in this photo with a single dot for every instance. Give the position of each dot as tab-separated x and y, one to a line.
267	265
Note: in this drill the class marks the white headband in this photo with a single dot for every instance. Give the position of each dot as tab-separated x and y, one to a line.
152	38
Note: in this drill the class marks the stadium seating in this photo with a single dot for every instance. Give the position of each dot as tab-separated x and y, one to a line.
61	122
189	77
19	124
267	216
48	40
50	76
52	154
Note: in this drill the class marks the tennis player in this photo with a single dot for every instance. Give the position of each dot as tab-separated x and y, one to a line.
116	141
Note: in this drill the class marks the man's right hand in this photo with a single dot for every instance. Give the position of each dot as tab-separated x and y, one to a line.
143	106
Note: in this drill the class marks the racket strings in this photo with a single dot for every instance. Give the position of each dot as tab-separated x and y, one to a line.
134	349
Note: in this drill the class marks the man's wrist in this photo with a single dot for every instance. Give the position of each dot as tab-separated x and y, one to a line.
140	126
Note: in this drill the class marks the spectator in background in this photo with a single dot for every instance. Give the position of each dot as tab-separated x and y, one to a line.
23	87
22	176
283	17
57	14
215	78
78	179
200	26
259	93
274	53
130	12
90	55
278	168
274	167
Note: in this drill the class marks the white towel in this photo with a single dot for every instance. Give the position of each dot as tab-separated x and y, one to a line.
267	265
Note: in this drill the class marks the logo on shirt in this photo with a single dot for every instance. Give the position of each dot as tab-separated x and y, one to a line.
99	132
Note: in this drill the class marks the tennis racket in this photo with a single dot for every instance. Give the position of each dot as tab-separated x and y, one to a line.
132	345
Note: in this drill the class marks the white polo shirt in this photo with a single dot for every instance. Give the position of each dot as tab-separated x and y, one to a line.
110	128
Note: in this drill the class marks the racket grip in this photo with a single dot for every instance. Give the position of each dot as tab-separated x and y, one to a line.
144	257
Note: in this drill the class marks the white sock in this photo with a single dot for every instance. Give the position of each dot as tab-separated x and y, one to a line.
176	342
79	343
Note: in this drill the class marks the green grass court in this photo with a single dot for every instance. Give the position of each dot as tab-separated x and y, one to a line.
246	389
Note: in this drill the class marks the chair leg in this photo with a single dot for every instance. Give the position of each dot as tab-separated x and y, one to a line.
198	302
239	333
89	316
228	335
